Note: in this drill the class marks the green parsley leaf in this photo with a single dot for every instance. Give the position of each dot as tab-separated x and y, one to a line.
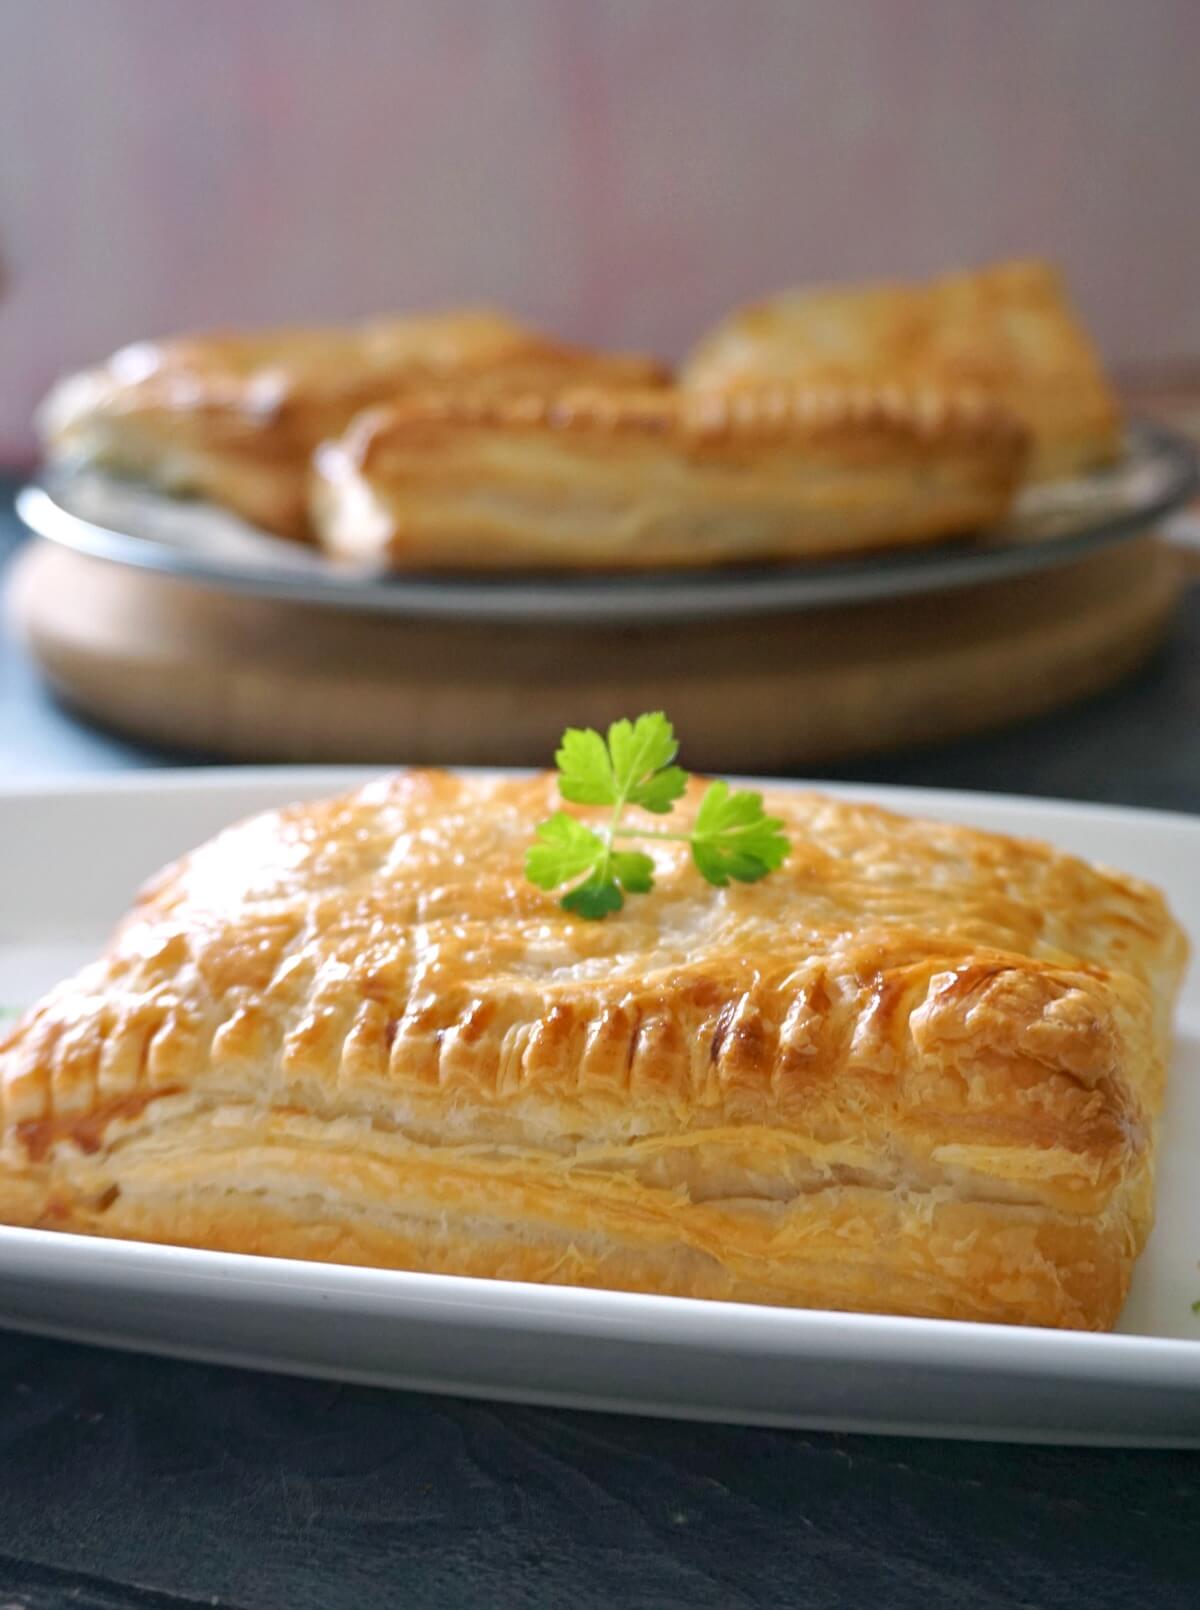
596	897
632	767
565	848
660	790
733	837
585	774
633	870
642	752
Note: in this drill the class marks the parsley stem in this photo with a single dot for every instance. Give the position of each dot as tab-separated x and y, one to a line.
604	872
649	833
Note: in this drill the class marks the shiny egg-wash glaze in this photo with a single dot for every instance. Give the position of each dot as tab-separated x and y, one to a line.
586	477
234	416
916	1070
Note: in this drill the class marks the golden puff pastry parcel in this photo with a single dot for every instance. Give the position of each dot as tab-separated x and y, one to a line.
586	478
914	1071
234	417
1008	331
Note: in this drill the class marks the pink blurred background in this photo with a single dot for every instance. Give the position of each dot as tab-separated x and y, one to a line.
620	170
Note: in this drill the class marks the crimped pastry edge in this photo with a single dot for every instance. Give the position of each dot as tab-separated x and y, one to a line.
771	414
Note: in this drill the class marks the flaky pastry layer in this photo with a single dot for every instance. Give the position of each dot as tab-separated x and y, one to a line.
234	417
599	479
914	1071
1009	331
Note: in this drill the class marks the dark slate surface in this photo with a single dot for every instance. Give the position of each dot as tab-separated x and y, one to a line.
131	1483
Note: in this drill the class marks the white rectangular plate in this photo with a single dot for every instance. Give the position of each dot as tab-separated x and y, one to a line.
71	856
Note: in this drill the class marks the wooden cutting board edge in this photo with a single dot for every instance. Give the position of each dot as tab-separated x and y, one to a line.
171	663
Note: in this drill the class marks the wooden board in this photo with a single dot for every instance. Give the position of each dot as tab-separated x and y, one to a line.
172	663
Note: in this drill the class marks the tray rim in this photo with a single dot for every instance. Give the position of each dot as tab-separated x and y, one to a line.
645	598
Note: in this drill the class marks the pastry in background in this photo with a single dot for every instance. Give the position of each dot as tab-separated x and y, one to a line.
1008	331
601	479
234	417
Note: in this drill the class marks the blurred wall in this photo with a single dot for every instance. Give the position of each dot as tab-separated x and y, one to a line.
619	169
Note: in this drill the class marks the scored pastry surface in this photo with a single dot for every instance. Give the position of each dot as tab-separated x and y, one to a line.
1008	330
234	417
916	1070
591	478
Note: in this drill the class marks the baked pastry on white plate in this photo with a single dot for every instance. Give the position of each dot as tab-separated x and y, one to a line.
915	1070
233	417
595	478
1008	331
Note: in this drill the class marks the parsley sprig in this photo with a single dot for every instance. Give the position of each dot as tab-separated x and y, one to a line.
731	837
